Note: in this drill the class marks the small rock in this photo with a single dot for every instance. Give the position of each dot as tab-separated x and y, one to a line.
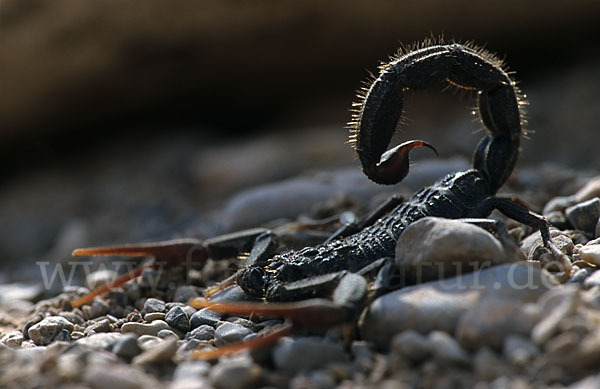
154	305
229	333
184	293
101	326
98	308
519	350
447	350
235	372
556	304
45	331
592	280
12	339
192	344
438	305
127	347
303	354
205	316
203	332
491	321
145	329
150	317
488	365
590	253
581	275
63	336
72	317
584	216
191	375
117	376
101	340
147	342
164	334
177	318
161	353
411	345
428	249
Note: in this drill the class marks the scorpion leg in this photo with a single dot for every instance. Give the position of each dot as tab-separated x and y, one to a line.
349	296
523	215
172	252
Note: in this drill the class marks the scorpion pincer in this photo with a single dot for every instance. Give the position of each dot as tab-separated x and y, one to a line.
331	278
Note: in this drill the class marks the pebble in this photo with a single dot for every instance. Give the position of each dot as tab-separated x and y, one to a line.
164	334
592	280
127	347
98	308
438	305
184	293
590	253
63	336
446	349
428	249
411	345
556	305
229	333
101	326
519	350
159	354
205	316
145	328
150	317
491	321
581	275
45	331
154	305
203	332
584	216
303	354
12	339
72	317
191	375
146	342
488	365
101	340
117	376
235	372
177	318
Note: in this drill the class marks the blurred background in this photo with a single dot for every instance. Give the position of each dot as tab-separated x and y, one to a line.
127	121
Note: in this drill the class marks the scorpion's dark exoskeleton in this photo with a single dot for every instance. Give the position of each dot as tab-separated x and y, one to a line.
339	264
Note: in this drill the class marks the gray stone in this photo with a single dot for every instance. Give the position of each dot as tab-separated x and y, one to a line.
12	339
428	249
63	336
592	280
72	317
101	340
161	353
127	347
581	275
164	334
98	308
205	316
556	304
446	349
491	321
144	328
184	293
154	305
235	372
191	375
147	342
150	317
117	376
519	350
203	332
101	326
438	305
585	215
411	345
177	318
303	354
229	333
45	331
590	253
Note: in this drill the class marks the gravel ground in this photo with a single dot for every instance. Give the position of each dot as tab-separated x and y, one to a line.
502	316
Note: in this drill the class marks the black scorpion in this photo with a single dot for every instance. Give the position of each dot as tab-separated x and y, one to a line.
340	263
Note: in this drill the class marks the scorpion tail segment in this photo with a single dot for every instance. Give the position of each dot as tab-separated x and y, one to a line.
394	163
258	342
495	157
314	313
110	286
170	251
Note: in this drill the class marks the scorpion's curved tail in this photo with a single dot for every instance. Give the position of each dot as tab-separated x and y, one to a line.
377	114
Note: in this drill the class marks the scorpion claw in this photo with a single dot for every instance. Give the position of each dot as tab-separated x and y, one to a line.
394	163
